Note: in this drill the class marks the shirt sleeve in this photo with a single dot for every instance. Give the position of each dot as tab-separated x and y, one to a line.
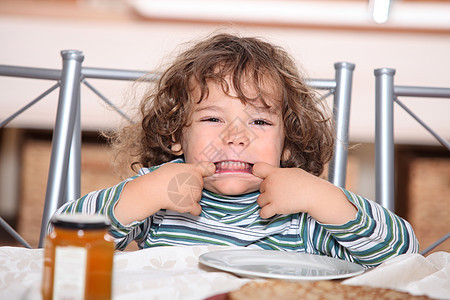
103	202
375	235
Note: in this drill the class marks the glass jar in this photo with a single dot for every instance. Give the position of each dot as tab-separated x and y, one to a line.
78	258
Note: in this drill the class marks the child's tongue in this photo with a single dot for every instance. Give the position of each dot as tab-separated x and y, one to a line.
233	166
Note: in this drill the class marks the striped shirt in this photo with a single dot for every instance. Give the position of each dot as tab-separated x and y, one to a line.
374	236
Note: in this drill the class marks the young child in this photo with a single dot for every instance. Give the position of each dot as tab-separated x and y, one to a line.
230	146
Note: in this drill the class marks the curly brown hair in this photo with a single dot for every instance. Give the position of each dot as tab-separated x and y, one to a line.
165	109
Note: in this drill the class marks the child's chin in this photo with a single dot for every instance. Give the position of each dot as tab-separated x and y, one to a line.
233	187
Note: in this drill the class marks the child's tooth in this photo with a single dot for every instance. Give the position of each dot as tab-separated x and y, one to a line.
233	165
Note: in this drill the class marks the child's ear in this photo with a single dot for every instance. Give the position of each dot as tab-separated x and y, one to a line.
286	154
176	148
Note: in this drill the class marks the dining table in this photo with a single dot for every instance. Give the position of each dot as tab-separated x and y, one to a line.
175	272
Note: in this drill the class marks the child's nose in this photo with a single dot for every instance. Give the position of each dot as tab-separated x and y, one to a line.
236	136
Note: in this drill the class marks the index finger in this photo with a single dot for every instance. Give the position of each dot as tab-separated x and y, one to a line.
262	169
206	168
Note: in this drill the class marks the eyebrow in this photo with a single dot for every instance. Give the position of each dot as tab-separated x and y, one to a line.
209	107
269	110
258	109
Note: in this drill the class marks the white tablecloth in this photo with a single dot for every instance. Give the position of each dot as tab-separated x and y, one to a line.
174	273
411	273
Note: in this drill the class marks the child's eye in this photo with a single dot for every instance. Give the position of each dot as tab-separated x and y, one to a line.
261	122
211	119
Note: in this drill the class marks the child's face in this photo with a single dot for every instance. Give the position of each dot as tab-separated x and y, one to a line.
234	136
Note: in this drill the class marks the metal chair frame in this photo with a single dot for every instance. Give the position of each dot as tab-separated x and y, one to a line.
386	93
64	171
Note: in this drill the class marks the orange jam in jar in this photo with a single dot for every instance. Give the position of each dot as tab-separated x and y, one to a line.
78	258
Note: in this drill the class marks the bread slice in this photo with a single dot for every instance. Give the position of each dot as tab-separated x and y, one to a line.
306	290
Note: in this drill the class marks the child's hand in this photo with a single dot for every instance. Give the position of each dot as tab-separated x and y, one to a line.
182	184
282	190
293	190
172	186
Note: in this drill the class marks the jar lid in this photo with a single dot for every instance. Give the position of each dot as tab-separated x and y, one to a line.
80	221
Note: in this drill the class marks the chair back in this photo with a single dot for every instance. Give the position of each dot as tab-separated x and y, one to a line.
386	93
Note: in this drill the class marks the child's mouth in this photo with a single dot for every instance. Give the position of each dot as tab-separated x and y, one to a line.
230	166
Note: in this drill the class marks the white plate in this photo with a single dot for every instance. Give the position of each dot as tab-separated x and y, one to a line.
280	265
